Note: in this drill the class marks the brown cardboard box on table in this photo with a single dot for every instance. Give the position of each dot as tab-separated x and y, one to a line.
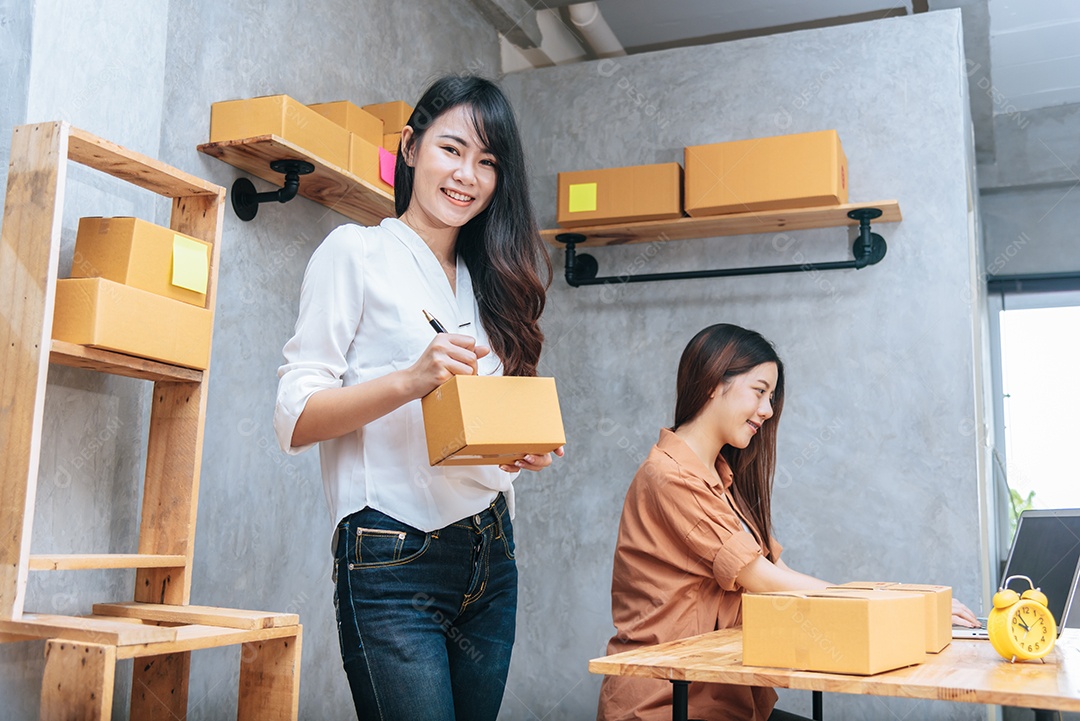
103	314
353	118
489	420
777	173
143	255
364	162
938	608
620	195
840	631
284	117
394	114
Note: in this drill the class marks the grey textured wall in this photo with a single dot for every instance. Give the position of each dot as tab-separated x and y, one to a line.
143	74
1029	197
879	468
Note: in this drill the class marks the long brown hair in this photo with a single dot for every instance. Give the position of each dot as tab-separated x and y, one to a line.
501	246
714	356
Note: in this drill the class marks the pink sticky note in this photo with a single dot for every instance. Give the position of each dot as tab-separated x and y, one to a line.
387	160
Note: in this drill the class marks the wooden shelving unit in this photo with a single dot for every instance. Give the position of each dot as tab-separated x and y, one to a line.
330	185
723	225
159	625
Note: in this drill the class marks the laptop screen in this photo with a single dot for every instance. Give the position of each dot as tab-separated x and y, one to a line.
1046	549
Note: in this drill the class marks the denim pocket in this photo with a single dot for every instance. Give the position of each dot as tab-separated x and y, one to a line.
506	530
377	547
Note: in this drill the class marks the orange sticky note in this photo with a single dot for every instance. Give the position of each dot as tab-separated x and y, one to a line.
387	161
582	197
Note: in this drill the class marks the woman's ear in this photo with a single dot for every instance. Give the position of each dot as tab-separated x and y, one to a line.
408	145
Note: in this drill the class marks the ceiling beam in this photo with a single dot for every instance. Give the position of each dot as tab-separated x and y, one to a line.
515	20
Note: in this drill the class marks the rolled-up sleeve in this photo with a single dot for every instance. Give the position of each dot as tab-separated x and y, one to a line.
713	534
331	303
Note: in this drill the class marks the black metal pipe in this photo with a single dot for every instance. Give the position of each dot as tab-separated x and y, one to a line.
680	698
718	273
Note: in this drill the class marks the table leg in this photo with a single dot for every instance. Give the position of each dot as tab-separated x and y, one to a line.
159	687
270	680
78	682
1042	714
815	700
680	700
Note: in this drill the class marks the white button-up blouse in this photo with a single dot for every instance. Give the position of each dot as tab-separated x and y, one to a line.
361	317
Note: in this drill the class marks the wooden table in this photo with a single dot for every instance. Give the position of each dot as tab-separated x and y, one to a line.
967	670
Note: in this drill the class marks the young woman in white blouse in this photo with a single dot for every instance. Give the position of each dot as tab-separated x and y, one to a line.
426	582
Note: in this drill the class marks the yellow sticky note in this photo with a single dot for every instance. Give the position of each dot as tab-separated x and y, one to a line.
582	197
190	264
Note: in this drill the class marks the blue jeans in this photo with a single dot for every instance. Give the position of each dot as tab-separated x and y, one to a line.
426	620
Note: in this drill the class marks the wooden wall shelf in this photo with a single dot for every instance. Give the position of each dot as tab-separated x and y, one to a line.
723	225
330	185
103	361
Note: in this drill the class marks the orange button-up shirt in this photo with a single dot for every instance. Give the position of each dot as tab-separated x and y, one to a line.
681	544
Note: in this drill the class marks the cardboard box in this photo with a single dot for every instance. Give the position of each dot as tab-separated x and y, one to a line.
619	195
938	608
103	314
364	163
392	141
777	173
284	117
394	114
353	118
839	631
488	420
143	255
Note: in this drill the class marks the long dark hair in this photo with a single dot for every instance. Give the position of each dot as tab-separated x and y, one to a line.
714	356
501	246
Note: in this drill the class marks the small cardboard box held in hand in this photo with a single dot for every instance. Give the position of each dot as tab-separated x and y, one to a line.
839	631
490	420
937	601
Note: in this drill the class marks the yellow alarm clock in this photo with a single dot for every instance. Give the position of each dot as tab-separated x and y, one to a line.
1020	626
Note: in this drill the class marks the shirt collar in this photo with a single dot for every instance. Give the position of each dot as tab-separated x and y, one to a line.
676	447
463	301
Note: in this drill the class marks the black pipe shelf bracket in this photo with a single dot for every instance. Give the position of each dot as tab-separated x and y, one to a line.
245	199
868	249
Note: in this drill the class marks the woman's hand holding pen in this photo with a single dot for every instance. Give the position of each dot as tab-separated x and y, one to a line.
447	355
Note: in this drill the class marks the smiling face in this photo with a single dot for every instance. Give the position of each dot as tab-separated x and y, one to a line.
740	406
455	175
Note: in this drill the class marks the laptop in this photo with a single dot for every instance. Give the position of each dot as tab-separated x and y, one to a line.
1046	549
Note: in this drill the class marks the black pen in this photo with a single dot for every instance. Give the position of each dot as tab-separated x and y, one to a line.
434	323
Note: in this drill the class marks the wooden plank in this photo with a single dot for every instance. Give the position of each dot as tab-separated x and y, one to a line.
135	168
78	681
197	637
87	629
29	254
85	561
966	670
174	449
715	226
159	687
330	185
202	615
96	359
270	680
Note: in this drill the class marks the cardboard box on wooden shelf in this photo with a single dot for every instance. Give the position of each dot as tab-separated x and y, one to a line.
392	141
776	173
837	630
284	117
353	118
372	163
620	195
490	420
937	602
394	114
143	255
103	314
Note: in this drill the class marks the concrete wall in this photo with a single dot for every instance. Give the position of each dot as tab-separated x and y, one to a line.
879	460
1029	196
143	74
